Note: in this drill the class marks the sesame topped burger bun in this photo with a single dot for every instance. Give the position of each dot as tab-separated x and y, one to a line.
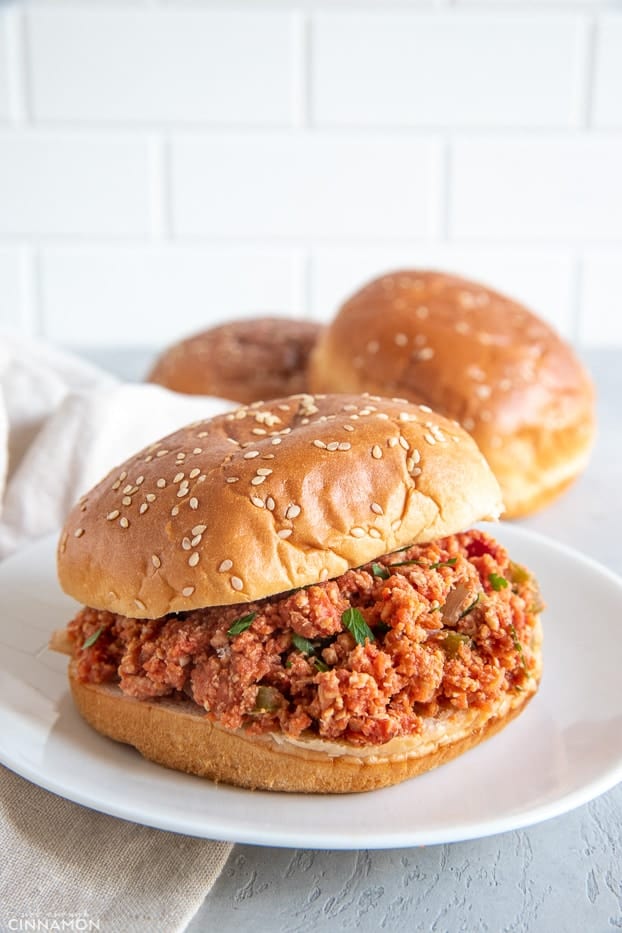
245	360
288	597
474	355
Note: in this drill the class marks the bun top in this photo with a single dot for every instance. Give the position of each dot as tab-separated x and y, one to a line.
245	360
476	356
465	349
268	498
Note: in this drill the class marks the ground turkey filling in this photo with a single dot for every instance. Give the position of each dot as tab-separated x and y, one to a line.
361	658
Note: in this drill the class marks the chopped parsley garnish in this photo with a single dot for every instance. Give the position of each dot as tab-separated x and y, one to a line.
452	641
240	625
307	647
357	626
379	570
303	644
422	563
90	641
444	563
470	608
497	581
518	647
400	549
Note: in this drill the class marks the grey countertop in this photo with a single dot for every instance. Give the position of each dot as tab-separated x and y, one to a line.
563	876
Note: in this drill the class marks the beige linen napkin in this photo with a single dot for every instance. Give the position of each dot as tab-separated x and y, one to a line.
63	424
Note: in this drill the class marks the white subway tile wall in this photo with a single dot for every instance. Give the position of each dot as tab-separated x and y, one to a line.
166	166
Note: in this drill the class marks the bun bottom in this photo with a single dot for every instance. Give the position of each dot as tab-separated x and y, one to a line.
176	734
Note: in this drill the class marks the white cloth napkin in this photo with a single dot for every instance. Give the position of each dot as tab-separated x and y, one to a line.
63	425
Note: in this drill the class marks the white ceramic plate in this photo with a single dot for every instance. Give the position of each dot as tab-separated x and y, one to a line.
563	751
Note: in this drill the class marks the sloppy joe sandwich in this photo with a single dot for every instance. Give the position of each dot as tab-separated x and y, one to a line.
475	355
291	596
245	360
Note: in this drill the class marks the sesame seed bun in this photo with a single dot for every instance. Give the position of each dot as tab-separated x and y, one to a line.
476	356
244	360
269	498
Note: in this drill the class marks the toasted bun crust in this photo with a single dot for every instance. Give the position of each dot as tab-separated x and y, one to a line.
176	733
269	498
476	356
244	360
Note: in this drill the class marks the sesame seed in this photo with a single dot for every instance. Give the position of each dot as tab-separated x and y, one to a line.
320	444
405	416
348	427
124	522
425	408
258	502
401	340
461	327
505	385
182	491
128	488
181	455
193	503
422	312
202	434
374	533
429	438
236	583
140	480
373	346
344	445
140	604
293	511
178	477
194	473
258	480
161	483
186	544
425	353
417	471
263	471
284	532
143	508
225	565
483	391
323	574
349	408
162	453
260	431
232	479
415	456
197	450
276	440
155	560
78	532
392	442
150	497
123	474
395	524
250	454
112	515
377	508
485	416
376	452
357	532
403	442
196	540
332	446
126	500
175	510
476	372
193	560
187	591
270	503
468	424
382	415
283	407
116	485
198	529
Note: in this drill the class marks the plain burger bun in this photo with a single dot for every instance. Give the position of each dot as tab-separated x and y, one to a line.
476	356
245	360
258	502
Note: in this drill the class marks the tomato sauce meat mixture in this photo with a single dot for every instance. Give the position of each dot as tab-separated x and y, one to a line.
362	658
